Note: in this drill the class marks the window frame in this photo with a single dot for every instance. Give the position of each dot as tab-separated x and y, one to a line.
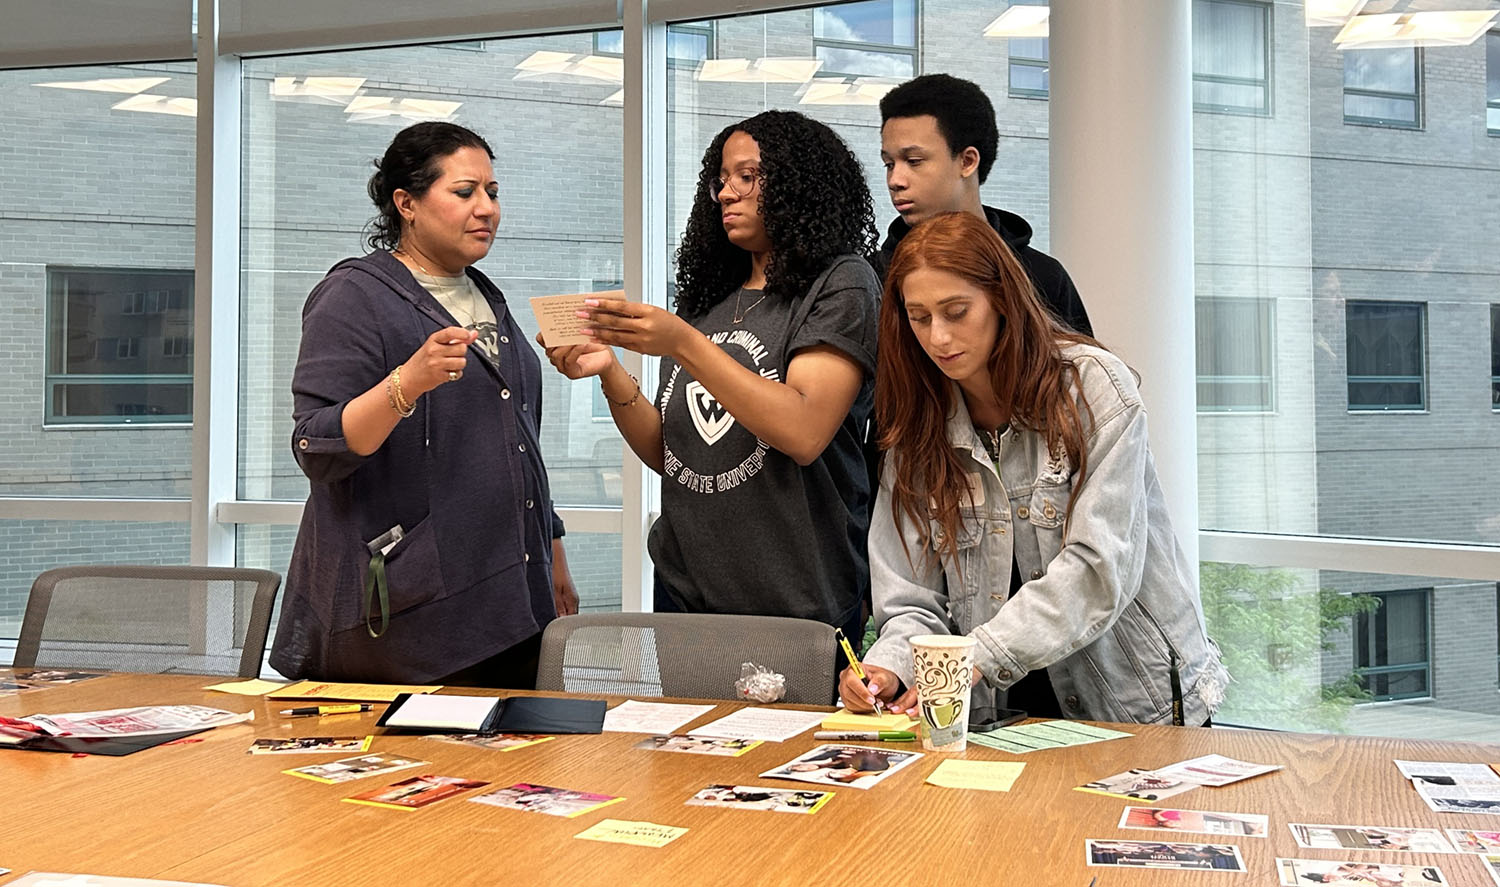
915	50
1264	304
1492	102
1421	377
1418	106
1363	624
1268	19
708	28
1495	357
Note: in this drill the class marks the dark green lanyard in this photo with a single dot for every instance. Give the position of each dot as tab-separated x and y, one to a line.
375	584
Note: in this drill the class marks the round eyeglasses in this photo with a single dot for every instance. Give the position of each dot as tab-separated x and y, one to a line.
741	183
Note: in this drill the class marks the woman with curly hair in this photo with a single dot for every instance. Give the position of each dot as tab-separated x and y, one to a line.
767	379
1019	503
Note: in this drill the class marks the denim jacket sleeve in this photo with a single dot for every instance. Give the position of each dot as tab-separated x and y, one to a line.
910	597
1098	570
342	356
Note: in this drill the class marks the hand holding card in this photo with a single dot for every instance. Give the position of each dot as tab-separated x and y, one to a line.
557	316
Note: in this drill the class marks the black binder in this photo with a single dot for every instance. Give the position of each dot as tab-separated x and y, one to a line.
520	714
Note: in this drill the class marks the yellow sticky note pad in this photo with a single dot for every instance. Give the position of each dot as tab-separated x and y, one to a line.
844	720
992	776
253	687
624	831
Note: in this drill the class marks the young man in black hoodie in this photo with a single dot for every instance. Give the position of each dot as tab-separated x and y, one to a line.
938	141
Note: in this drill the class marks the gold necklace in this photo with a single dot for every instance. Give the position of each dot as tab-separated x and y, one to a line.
398	251
740	315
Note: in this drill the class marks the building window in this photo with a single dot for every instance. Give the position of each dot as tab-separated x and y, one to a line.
119	346
1383	87
874	38
1231	56
1495	357
1236	355
1029	62
686	42
1492	83
1391	645
1386	362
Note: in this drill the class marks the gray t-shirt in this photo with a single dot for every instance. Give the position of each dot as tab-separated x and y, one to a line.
462	298
743	527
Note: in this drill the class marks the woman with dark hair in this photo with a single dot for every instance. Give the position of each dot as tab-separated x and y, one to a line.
1019	503
428	551
766	380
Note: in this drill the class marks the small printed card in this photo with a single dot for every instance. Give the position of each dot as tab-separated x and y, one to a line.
623	831
634	716
350	769
546	799
416	792
1024	738
1492	868
1138	785
1469	841
1215	770
495	741
1196	822
39	677
994	776
1338	873
1462	798
1368	837
699	745
557	319
1156	855
856	766
1448	773
297	745
753	797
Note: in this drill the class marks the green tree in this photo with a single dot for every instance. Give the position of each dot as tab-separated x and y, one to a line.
1273	630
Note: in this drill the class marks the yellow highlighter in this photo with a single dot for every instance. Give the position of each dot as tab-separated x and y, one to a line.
854	664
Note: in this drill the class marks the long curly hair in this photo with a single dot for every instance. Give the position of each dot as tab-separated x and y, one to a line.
814	204
913	398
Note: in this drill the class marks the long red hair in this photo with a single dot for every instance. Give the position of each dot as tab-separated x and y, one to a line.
913	398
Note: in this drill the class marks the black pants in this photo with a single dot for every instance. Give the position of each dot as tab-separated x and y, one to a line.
510	669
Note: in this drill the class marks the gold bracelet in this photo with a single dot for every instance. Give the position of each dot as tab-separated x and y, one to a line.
628	403
393	393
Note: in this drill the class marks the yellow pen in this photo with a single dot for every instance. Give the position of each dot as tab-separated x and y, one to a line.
854	665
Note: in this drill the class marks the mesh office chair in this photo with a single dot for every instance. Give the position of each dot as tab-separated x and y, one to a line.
695	655
196	620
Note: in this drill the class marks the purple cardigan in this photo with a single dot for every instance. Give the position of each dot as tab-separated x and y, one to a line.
463	477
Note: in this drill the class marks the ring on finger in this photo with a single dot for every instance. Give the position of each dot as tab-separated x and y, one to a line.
452	375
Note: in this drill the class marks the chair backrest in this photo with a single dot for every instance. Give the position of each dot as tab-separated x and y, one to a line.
152	619
696	655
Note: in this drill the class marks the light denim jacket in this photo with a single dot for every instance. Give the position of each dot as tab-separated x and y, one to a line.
1100	608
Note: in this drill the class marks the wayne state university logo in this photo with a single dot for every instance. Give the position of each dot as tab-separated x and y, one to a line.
709	416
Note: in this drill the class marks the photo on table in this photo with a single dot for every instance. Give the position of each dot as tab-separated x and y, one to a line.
856	766
1158	855
37	676
416	792
1369	837
1470	841
699	745
492	741
349	769
546	799
1198	822
1341	873
295	745
753	797
1139	785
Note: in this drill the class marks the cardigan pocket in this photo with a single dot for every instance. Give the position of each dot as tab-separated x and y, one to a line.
413	572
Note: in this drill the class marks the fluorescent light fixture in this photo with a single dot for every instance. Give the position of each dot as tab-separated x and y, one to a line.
1020	21
1330	12
1406	30
762	70
328	90
615	98
130	85
567	66
369	108
158	104
838	91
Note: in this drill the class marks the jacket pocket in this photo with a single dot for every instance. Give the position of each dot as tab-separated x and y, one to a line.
413	573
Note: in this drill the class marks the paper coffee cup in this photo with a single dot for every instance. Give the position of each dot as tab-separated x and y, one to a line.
943	665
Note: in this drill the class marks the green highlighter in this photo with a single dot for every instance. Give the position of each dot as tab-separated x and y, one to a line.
867	735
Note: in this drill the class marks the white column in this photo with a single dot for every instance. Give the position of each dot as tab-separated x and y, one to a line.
1121	155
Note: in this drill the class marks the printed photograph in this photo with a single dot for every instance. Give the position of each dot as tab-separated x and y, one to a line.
752	797
1154	855
1141	785
1469	841
545	799
1482	799
853	765
1492	868
416	792
1301	872
349	769
1364	837
699	745
493	741
294	745
1198	822
42	676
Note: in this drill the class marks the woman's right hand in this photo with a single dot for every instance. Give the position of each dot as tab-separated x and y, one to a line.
445	351
579	361
858	697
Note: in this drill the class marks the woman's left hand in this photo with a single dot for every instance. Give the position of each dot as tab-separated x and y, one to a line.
645	329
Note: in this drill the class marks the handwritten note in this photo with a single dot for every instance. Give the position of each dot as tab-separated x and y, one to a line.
624	831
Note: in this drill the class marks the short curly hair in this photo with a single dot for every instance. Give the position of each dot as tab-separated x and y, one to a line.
814	203
963	112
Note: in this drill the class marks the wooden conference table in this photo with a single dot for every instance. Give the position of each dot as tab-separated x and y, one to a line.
209	812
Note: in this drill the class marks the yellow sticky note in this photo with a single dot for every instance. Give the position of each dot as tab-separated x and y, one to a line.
624	831
253	687
349	692
991	776
844	720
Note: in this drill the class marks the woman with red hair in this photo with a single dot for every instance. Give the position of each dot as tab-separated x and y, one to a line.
1019	503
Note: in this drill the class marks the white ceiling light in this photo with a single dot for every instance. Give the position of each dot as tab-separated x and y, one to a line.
158	104
838	91
762	70
1020	21
120	84
566	66
330	90
1330	12
1403	31
370	108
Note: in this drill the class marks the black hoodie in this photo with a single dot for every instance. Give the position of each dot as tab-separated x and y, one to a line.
1047	274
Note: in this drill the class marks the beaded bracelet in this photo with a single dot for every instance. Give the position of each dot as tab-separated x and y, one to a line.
628	403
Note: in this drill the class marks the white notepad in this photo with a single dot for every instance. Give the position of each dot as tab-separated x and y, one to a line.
461	714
